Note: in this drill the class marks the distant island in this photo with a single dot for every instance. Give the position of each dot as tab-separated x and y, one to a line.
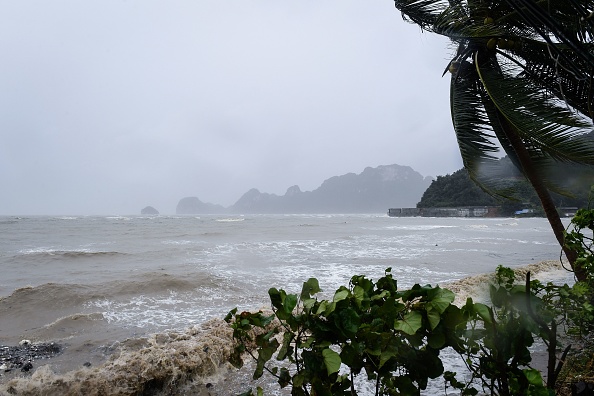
149	210
372	191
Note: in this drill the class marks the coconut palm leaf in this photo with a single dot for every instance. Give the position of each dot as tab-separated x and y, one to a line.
422	12
471	124
546	25
536	63
547	127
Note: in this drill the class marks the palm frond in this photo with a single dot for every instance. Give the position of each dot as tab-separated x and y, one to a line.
546	25
422	12
471	124
534	57
547	127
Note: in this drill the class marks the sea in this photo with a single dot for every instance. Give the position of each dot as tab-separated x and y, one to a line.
135	303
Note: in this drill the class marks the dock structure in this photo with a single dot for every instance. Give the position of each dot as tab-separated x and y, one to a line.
466	211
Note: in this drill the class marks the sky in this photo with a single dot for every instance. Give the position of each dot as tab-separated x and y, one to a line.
110	106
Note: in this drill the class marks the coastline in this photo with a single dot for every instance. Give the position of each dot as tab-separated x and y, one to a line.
194	361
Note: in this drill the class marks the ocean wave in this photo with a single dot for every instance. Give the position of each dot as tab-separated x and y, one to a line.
194	361
69	254
230	220
477	286
419	227
47	294
168	363
52	296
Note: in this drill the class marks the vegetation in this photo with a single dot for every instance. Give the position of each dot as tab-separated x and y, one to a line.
393	338
455	190
521	81
458	189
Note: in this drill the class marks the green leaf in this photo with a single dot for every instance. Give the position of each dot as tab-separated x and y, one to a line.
484	312
290	302
308	303
264	355
331	360
349	321
310	288
276	297
230	315
359	294
411	322
331	307
322	307
299	379
433	317
383	294
436	340
533	376
440	299
286	347
340	295
284	377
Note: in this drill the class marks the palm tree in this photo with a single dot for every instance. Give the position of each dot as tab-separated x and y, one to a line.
521	82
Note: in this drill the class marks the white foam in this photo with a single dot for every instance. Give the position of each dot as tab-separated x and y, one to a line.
418	227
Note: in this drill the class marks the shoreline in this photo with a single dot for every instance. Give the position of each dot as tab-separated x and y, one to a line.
193	361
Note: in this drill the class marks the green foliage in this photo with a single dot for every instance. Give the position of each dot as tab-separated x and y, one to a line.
499	337
577	302
394	337
458	189
455	190
391	336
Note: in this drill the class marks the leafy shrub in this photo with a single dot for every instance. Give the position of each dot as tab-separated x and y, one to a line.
392	337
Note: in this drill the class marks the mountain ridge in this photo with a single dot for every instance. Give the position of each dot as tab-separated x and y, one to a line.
374	190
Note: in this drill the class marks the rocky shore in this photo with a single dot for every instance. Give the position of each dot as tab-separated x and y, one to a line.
24	356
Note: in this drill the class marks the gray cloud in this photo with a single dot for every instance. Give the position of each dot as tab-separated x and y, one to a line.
106	107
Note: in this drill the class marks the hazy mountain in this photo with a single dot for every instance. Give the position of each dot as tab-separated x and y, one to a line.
372	191
192	205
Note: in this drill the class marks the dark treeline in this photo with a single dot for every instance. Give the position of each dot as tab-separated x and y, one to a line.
573	184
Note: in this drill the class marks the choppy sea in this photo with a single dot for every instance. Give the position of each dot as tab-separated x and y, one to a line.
132	297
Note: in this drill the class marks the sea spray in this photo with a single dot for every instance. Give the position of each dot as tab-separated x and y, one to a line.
165	364
477	286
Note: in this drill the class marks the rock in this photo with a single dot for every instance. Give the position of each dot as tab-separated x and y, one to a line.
582	388
149	210
22	356
27	366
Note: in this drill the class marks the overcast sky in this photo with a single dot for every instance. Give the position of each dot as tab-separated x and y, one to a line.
109	106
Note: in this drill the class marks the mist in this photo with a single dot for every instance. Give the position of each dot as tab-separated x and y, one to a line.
107	107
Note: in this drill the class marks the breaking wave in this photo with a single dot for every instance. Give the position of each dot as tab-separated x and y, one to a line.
193	361
168	363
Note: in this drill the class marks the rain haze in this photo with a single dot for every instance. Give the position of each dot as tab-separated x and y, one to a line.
110	106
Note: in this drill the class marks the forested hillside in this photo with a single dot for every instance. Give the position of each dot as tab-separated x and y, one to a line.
458	189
